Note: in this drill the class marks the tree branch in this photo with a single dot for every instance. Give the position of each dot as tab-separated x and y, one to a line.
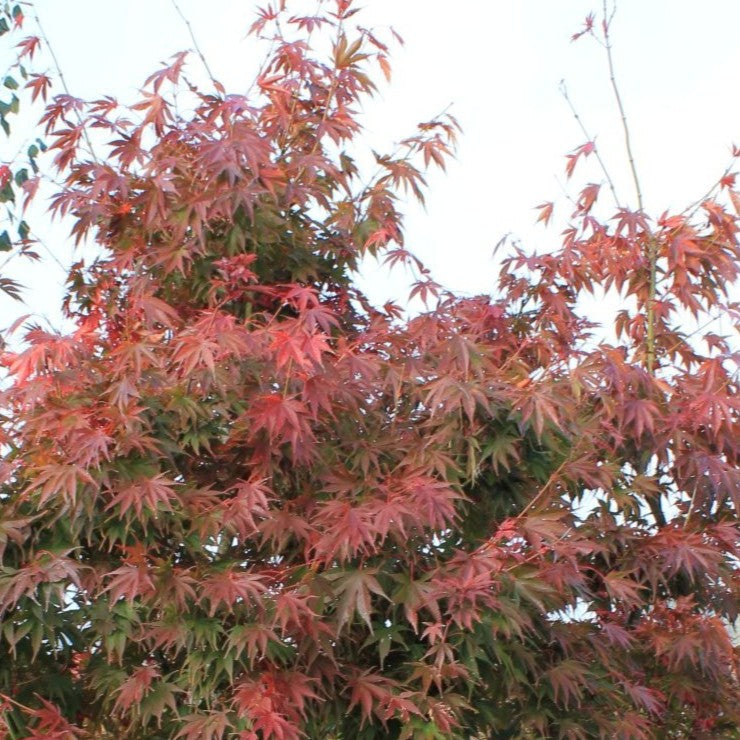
62	79
610	182
196	46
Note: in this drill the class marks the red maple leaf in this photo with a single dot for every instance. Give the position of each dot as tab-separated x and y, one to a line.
39	84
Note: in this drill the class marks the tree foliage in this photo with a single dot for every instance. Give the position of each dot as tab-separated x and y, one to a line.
19	174
239	500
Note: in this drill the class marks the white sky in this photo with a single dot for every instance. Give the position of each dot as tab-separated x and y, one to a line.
499	62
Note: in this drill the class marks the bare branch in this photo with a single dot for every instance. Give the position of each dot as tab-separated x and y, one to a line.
62	79
651	251
691	209
579	121
196	46
620	105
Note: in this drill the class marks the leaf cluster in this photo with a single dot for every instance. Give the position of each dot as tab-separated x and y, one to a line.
238	500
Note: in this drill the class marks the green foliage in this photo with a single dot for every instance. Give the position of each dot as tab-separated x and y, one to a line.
237	500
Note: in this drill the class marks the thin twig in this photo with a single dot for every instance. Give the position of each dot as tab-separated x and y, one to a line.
566	193
692	503
537	554
62	79
51	254
681	341
574	111
652	250
691	209
553	477
620	105
195	43
652	290
331	92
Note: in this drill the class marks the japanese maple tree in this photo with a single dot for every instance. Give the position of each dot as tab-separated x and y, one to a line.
239	500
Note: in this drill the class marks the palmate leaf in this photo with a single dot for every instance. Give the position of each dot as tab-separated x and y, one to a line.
136	687
13	531
212	726
624	587
355	589
679	550
414	595
162	696
369	689
568	680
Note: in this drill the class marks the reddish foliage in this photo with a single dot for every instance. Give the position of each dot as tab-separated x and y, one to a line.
239	500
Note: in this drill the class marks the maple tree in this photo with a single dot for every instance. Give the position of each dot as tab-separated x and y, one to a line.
239	500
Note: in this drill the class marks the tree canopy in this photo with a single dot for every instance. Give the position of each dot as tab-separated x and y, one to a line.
239	500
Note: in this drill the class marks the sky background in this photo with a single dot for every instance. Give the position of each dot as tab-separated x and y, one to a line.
499	64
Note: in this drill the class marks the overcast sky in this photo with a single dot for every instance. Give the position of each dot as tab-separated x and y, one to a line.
499	63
